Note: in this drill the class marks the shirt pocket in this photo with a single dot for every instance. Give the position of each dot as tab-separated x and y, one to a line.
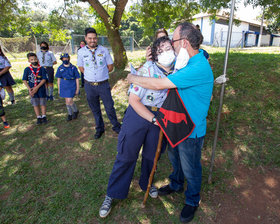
100	61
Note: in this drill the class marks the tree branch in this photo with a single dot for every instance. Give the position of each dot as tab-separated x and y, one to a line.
119	12
101	11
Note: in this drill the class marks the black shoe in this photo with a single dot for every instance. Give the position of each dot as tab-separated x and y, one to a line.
165	190
44	120
39	121
13	102
98	134
187	213
75	115
69	117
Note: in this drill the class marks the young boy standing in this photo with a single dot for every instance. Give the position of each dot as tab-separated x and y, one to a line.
34	78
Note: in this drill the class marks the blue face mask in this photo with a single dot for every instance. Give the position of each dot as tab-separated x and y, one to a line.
65	62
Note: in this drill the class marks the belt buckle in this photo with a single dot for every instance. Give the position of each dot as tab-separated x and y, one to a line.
154	108
94	83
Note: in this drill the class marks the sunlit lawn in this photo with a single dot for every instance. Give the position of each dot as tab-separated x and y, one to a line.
58	173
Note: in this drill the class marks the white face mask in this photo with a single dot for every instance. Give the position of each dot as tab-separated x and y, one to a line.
182	59
166	58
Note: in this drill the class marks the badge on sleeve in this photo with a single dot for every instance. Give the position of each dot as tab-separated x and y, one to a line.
136	88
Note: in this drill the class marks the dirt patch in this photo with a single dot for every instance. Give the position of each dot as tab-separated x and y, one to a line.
253	196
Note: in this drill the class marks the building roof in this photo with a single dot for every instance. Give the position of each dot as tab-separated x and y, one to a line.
225	15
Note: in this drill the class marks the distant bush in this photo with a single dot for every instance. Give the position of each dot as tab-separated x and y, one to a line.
19	44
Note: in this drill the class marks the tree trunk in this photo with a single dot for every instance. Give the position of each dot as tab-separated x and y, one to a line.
112	25
119	52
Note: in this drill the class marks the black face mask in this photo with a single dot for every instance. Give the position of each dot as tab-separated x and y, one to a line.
34	63
44	48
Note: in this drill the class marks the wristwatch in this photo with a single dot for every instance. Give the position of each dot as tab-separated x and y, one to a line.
154	120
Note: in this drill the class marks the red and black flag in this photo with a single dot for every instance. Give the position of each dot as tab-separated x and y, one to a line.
174	119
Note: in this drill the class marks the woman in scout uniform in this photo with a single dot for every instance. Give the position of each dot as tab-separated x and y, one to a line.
68	85
47	60
5	76
139	128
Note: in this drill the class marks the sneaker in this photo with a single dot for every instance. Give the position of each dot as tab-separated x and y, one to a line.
39	121
187	213
165	190
44	120
48	98
69	117
153	192
51	98
105	207
6	124
75	114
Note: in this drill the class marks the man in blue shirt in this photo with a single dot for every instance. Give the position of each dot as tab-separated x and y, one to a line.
194	81
96	63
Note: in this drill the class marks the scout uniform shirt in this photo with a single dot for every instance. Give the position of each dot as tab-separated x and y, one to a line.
46	59
149	97
30	78
4	62
95	63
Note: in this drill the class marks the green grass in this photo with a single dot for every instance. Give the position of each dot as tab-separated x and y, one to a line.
58	173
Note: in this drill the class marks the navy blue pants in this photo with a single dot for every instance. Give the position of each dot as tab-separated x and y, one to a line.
103	91
135	132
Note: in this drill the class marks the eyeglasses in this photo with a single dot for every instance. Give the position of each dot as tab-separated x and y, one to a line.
173	41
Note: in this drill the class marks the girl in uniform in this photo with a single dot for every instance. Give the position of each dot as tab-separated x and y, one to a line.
47	60
5	76
68	85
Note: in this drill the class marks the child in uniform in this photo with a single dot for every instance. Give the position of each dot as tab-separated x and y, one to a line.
68	85
5	76
2	112
34	78
47	60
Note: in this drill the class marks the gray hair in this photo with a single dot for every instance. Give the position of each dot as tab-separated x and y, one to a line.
192	34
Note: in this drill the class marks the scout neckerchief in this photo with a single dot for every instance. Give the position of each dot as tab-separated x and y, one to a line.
165	72
93	53
35	74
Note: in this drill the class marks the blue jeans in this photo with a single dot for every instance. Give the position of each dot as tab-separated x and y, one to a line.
185	159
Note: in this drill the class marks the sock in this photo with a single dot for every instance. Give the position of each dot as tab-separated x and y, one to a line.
69	109
12	96
47	91
74	107
39	116
51	91
43	115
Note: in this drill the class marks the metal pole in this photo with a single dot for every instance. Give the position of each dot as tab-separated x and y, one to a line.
261	30
222	89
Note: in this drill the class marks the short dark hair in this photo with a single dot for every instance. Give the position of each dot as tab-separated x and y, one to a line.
45	43
31	54
90	30
192	34
156	45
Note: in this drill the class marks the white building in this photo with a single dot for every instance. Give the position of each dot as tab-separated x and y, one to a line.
244	33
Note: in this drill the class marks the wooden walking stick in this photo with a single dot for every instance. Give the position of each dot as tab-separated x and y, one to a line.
154	167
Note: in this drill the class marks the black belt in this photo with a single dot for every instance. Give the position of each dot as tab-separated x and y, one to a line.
68	79
153	108
48	66
96	83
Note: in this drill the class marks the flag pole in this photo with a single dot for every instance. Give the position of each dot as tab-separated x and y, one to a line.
154	167
222	90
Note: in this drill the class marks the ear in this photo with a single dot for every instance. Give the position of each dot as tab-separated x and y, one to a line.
186	43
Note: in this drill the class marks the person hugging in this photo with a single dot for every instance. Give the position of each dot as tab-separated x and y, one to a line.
68	85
